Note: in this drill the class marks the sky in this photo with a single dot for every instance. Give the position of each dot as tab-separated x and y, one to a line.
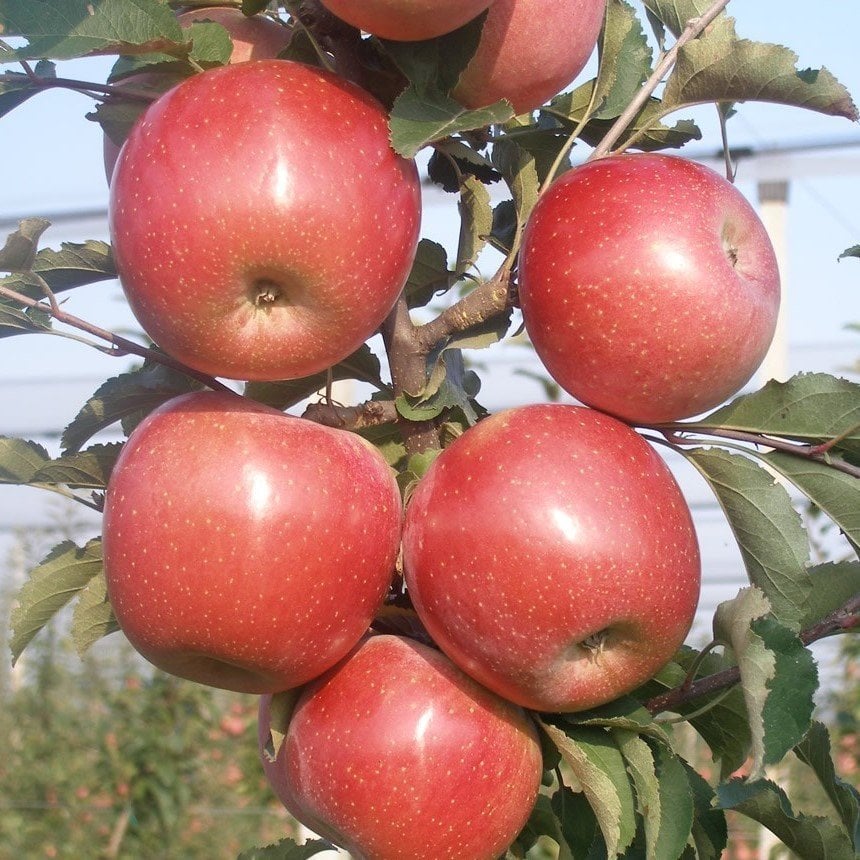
51	162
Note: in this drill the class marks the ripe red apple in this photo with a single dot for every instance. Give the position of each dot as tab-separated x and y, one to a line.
550	553
529	51
407	20
254	38
649	286
262	226
244	548
396	753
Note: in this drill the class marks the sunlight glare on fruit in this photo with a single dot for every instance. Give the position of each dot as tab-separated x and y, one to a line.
421	727
567	525
260	490
673	260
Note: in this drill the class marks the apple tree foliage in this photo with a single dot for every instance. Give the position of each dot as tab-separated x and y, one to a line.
615	784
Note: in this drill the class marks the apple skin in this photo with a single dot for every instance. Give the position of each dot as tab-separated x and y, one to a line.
243	548
396	753
649	286
551	555
256	38
262	226
407	20
529	51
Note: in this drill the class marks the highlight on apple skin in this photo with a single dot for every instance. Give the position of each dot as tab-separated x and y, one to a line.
244	548
551	555
223	208
649	286
396	753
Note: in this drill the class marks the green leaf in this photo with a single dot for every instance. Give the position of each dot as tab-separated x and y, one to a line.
517	166
18	253
434	65
625	60
832	585
450	386
598	765
430	274
709	832
86	469
814	751
362	365
92	618
543	822
768	529
52	584
720	718
720	67
624	713
853	251
578	822
419	119
127	398
287	849
809	407
778	675
20	460
74	265
806	835
18	89
476	222
650	133
65	29
639	760
674	14
834	492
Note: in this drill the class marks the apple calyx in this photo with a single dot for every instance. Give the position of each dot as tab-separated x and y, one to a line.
267	293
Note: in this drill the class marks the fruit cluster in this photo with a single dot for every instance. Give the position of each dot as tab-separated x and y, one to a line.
548	551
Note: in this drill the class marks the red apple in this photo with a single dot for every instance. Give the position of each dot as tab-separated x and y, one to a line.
262	226
396	753
529	51
254	38
550	553
649	286
407	20
244	548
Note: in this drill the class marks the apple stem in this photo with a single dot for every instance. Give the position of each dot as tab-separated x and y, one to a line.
119	346
846	617
693	28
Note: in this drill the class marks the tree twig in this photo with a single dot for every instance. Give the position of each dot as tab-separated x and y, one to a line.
408	363
369	414
87	88
487	300
693	28
120	346
676	434
846	617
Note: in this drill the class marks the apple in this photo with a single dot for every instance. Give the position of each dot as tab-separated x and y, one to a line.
396	753
407	20
244	548
649	286
254	38
551	555
529	51
261	224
